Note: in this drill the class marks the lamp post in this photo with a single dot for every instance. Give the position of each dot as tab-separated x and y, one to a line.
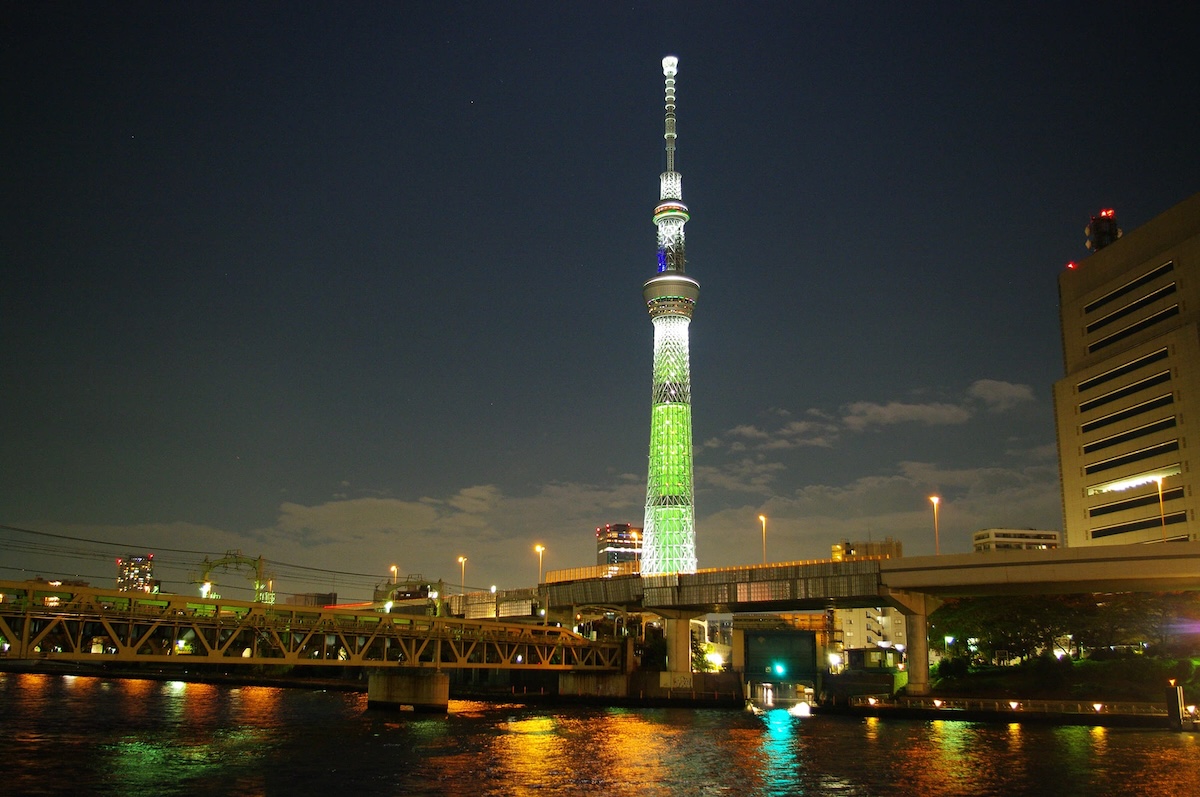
637	551
1162	512
393	574
462	584
937	546
763	519
541	549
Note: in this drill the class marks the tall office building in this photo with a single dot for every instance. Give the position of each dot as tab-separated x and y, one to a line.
1130	402
669	544
136	574
618	542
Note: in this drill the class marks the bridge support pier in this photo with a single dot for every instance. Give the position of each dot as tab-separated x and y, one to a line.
423	690
678	633
916	607
593	684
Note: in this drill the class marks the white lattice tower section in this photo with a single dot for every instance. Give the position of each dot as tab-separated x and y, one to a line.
670	524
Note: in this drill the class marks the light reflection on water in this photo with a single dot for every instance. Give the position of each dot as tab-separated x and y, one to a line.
123	737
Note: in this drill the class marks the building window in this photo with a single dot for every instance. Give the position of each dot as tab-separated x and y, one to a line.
1158	521
1160	378
1135	480
1132	456
1130	287
1135	503
1129	412
1131	308
1133	329
1121	370
1132	434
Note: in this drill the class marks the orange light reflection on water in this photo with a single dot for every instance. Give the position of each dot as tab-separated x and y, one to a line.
948	762
256	705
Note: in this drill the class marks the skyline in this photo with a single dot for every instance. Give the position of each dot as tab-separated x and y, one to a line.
354	290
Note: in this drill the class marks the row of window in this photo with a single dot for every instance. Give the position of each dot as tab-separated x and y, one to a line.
1129	287
1131	308
1135	479
1131	434
1150	499
1161	378
1132	456
1133	329
1158	402
1158	521
1122	370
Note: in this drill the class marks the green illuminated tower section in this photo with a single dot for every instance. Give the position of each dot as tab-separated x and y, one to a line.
669	533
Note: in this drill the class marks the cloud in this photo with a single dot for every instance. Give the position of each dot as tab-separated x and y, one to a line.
862	414
1000	396
797	434
819	432
744	476
476	500
357	518
749	432
805	523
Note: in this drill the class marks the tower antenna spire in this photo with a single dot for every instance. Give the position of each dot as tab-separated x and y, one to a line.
670	66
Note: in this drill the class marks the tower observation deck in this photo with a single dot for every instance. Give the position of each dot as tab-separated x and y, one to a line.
669	534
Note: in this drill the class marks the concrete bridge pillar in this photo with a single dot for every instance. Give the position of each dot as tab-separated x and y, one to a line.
916	607
678	633
423	690
918	654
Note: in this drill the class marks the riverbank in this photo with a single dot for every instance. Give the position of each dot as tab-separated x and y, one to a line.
1125	714
1007	710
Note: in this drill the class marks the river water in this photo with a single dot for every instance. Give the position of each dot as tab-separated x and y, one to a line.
64	735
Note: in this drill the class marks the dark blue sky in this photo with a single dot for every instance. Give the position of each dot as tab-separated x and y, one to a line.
348	286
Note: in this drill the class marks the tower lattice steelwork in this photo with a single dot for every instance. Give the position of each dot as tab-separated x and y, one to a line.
669	541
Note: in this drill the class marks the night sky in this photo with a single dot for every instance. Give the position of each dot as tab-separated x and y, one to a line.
354	285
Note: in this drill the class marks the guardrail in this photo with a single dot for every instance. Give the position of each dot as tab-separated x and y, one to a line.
1015	708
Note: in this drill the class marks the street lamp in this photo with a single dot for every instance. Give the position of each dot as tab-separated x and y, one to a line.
763	520
937	546
637	550
462	584
1162	512
541	549
393	574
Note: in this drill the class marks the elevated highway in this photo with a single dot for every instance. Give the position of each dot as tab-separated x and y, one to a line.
916	586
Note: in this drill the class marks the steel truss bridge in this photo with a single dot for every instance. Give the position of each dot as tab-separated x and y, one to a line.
50	622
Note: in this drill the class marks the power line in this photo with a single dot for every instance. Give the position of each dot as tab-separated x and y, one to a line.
286	570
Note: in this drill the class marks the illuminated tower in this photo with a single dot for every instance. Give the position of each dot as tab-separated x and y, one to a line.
669	536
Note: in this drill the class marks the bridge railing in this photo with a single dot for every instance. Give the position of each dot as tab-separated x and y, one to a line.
635	568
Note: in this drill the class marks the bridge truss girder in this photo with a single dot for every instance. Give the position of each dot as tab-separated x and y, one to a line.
93	626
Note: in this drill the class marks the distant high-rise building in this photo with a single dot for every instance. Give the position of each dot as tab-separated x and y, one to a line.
1130	401
670	523
136	574
1014	540
887	548
618	542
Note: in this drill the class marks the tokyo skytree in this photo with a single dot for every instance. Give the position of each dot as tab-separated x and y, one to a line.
669	533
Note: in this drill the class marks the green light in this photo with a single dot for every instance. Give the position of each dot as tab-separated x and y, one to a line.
780	669
669	542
